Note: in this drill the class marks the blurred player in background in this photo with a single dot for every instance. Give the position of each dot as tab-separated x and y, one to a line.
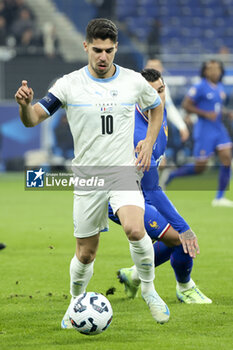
175	239
173	114
206	99
100	104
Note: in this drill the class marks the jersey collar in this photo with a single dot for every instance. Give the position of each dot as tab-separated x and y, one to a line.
107	80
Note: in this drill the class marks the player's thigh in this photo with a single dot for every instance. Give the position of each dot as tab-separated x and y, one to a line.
204	144
90	214
166	208
129	207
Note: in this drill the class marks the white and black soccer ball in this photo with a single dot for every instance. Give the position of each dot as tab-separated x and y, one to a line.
90	313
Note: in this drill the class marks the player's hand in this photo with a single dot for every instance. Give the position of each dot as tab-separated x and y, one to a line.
230	115
210	115
24	95
144	151
189	243
184	134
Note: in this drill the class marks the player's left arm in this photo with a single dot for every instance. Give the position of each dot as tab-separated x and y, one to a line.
144	147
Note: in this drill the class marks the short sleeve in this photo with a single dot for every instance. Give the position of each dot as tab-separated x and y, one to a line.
148	97
59	89
194	93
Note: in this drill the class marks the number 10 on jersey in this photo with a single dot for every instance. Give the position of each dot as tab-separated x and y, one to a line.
107	124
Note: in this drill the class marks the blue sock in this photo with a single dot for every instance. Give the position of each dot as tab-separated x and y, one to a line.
223	180
185	170
182	264
162	253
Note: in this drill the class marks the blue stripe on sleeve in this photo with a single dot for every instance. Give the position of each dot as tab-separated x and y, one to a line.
50	103
155	104
44	108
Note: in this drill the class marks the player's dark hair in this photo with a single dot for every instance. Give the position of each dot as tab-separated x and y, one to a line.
101	28
204	65
151	74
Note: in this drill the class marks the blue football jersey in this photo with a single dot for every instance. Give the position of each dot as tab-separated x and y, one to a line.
159	211
141	125
208	97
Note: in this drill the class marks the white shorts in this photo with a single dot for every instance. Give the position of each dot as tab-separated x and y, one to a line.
90	211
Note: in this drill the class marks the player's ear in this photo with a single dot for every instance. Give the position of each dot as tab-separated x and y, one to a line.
85	45
116	46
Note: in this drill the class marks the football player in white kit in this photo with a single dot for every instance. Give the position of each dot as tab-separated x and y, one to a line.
100	102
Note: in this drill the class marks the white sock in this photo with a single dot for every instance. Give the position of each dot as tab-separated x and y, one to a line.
185	286
142	253
135	276
80	275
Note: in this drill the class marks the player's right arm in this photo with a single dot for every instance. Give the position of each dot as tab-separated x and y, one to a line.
31	115
189	105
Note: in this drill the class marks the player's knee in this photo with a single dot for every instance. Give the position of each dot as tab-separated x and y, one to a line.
134	232
86	256
226	161
200	168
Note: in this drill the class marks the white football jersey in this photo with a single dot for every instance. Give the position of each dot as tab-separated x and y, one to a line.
100	113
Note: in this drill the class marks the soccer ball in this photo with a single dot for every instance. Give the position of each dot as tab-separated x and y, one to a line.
90	313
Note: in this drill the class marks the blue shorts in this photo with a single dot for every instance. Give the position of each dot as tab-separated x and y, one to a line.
208	139
155	224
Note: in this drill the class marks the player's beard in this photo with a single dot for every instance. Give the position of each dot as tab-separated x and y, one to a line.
101	72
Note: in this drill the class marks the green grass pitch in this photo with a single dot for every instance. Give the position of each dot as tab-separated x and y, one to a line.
34	277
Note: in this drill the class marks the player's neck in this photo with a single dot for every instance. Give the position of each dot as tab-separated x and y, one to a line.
212	83
108	74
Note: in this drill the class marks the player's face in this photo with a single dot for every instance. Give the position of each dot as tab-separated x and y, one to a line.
155	64
213	72
101	54
159	86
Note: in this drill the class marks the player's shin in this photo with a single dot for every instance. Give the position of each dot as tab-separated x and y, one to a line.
143	256
182	264
80	275
223	181
142	253
162	252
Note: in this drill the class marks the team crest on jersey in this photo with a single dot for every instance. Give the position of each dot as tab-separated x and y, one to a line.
153	224
192	91
210	96
114	93
165	128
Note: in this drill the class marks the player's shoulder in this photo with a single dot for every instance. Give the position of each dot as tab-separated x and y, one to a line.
196	88
130	73
69	76
221	85
200	83
76	74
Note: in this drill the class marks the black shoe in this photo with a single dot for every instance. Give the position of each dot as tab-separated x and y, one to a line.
2	246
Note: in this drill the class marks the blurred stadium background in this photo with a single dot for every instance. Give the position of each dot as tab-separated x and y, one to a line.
42	40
